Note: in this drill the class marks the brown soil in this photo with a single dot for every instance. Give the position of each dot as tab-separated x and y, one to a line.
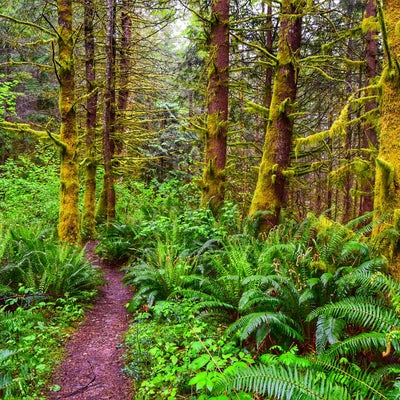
92	368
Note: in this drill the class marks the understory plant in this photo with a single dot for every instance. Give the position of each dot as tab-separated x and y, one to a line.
356	308
29	188
309	302
31	335
173	354
35	260
43	288
164	213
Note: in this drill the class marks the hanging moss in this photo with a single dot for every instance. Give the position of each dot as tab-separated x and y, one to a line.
370	24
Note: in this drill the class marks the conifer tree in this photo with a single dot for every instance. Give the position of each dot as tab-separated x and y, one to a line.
89	205
213	185
370	135
270	194
68	228
106	209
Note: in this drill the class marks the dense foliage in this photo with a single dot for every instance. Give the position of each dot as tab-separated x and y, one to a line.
279	287
307	312
44	285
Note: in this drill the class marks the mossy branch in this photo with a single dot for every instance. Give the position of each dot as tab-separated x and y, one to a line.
256	108
318	59
257	47
359	167
246	145
38	42
341	123
59	144
27	23
23	129
22	63
86	96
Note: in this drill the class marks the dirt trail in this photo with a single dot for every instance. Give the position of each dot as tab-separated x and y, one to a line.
92	368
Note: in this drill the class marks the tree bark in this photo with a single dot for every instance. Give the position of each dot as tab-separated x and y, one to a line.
387	184
213	188
107	201
124	64
68	227
89	203
371	72
270	193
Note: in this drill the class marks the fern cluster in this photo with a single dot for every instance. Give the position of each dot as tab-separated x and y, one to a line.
319	285
34	260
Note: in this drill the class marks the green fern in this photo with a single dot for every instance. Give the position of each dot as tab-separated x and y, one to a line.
362	342
281	383
329	331
318	379
119	242
365	312
161	274
255	299
280	287
361	383
47	267
270	322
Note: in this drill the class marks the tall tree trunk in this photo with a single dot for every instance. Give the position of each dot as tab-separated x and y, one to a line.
269	74
68	228
106	210
370	135
213	190
124	64
387	184
89	203
270	193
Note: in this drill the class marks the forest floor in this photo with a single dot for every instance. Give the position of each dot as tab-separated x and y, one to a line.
92	368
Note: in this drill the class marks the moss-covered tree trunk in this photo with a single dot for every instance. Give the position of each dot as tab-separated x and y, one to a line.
371	72
213	186
106	209
387	178
270	193
68	228
124	67
89	203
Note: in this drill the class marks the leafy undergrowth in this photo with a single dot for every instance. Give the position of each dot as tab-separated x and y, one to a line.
31	336
308	312
173	355
44	287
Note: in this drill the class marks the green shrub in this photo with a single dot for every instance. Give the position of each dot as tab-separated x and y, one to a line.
170	349
30	340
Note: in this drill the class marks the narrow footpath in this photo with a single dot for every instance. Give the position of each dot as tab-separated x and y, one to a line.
92	368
